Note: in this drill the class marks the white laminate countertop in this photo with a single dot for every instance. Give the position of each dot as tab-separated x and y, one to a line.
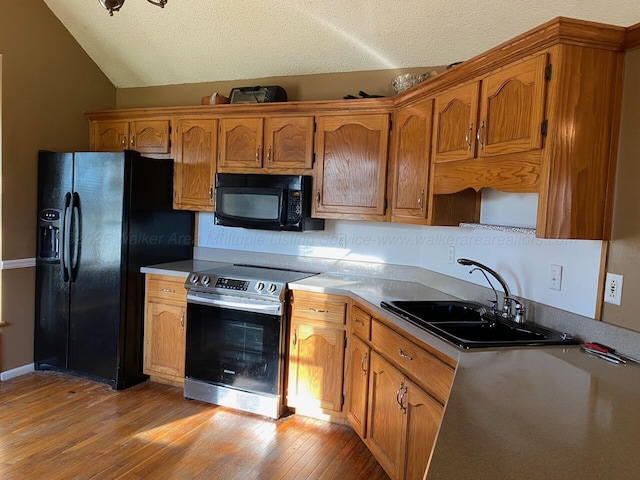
513	413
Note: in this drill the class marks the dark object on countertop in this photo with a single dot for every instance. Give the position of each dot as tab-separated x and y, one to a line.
604	349
453	65
362	95
257	94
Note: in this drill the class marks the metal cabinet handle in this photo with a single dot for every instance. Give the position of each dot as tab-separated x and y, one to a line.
359	322
167	290
123	141
295	337
364	359
211	193
269	155
480	135
182	320
467	137
400	394
404	355
258	153
133	140
318	197
318	310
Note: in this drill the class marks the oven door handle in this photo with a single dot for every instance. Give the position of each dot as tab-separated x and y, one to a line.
275	308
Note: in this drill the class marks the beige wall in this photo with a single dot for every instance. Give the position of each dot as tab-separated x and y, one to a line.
48	83
328	86
624	248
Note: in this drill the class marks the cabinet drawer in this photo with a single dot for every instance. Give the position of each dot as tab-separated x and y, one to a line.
430	372
319	307
166	289
360	323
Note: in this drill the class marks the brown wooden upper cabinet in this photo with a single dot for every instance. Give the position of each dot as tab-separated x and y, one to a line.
500	114
351	166
145	136
194	164
412	133
263	145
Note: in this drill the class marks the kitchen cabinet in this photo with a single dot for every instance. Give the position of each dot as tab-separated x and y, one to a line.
194	164
351	166
403	422
147	136
164	328
266	145
411	162
357	380
408	388
317	339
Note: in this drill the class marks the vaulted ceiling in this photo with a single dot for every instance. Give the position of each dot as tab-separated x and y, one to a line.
192	41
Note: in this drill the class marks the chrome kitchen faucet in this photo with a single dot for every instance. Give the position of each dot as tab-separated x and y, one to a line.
508	303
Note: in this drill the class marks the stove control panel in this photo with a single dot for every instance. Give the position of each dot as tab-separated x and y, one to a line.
214	283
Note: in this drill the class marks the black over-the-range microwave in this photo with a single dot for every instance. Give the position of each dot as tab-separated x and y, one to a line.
265	202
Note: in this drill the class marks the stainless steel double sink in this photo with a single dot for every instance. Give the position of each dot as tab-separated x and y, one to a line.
471	325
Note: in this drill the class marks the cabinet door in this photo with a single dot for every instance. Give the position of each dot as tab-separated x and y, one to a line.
164	339
240	144
149	136
110	136
422	420
351	166
411	161
288	143
385	421
456	113
357	388
512	109
316	363
194	165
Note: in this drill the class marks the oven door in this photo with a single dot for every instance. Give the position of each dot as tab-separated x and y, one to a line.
232	346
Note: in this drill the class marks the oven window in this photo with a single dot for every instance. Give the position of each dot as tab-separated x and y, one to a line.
233	348
253	206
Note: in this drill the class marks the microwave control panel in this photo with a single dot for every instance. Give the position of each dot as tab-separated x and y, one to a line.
294	210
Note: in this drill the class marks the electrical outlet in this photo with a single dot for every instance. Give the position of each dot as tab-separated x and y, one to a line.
452	254
555	277
342	240
613	289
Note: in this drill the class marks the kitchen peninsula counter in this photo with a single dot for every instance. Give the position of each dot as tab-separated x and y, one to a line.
513	413
519	413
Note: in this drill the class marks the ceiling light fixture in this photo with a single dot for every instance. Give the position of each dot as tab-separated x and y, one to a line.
114	5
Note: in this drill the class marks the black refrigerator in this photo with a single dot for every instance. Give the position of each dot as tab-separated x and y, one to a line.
101	217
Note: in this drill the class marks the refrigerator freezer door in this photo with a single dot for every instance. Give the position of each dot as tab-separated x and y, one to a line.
55	175
96	259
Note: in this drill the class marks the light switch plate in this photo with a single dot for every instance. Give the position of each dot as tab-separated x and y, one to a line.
555	277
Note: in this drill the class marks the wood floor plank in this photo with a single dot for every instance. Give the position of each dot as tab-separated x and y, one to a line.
57	426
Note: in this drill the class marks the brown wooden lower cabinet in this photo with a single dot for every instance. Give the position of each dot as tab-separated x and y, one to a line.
402	423
395	392
164	329
317	339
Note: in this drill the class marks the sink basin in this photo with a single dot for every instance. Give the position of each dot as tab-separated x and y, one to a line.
471	325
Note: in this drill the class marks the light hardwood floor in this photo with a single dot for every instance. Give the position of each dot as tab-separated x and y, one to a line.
57	426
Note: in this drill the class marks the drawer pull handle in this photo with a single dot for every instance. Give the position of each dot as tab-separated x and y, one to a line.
364	359
480	135
359	322
317	310
167	290
182	321
404	355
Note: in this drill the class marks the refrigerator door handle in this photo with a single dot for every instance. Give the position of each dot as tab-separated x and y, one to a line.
75	233
65	248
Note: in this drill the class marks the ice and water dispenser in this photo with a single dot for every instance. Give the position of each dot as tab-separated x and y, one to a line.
49	234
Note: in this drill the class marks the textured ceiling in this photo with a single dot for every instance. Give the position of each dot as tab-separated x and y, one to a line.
192	41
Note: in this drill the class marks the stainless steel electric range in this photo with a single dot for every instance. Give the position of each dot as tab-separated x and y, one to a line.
236	337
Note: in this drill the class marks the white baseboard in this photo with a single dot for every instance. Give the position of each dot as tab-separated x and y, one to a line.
16	372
